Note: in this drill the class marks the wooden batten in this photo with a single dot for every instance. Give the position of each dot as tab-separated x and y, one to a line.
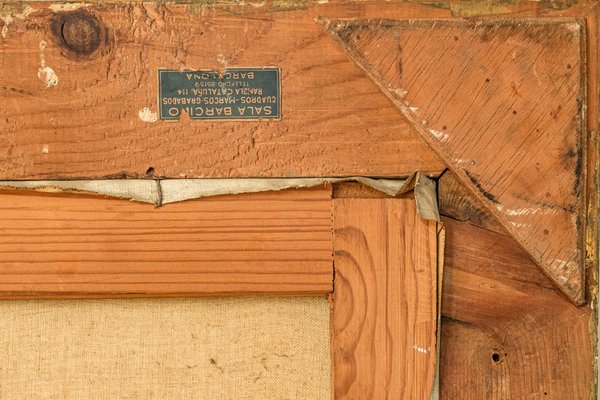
384	317
61	245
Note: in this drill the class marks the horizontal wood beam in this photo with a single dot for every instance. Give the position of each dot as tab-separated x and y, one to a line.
91	109
54	245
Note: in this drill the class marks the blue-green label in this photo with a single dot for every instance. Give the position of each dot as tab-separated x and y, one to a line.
235	94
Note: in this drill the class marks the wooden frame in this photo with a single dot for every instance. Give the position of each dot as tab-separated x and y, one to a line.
495	297
384	316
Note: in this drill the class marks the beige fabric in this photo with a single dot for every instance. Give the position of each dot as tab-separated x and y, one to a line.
164	191
206	348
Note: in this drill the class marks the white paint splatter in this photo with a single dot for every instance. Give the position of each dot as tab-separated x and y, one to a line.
521	211
518	224
63	7
516	212
398	91
422	349
45	149
48	75
257	5
45	73
147	115
574	27
222	59
441	136
10	17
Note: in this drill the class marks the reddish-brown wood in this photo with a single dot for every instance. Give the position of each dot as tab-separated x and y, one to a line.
385	300
507	332
484	304
58	245
456	201
364	143
356	190
335	122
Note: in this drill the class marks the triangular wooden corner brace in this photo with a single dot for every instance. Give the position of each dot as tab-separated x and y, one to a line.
501	102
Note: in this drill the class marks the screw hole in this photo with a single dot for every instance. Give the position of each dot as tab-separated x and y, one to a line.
496	357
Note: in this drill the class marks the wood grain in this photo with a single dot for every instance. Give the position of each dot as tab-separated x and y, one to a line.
357	190
502	102
507	331
456	201
384	310
335	122
60	245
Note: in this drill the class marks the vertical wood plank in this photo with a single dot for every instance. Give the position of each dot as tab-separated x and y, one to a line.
384	310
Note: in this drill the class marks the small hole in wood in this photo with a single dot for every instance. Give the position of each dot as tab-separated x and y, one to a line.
150	171
496	358
568	66
514	112
455	38
487	80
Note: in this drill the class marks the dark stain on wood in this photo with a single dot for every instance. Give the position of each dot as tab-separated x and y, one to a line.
578	171
457	202
80	33
484	192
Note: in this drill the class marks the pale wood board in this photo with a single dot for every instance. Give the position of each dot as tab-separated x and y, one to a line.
384	305
61	244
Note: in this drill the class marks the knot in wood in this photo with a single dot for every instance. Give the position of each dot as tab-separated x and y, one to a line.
80	33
